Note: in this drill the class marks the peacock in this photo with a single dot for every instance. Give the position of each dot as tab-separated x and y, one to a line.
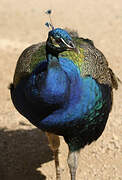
64	87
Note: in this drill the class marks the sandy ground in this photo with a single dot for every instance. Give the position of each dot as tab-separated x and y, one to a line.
24	152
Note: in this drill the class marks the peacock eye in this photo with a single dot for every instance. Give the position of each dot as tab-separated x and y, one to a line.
58	40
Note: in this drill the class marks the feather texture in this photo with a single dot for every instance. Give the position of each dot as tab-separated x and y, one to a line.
90	61
64	87
69	95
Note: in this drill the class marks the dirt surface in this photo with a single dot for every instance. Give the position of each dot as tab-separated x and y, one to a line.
24	153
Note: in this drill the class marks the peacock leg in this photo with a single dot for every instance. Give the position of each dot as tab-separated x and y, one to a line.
54	143
73	163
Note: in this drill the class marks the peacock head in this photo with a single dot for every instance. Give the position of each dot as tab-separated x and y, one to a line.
59	40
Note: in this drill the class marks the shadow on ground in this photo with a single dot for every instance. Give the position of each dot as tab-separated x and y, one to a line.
21	153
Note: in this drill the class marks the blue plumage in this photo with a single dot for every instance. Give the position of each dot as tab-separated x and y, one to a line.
60	100
59	33
61	97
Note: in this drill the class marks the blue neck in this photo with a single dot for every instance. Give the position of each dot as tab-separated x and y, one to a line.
53	61
56	84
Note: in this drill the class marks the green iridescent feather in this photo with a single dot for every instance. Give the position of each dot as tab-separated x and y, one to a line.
36	53
40	55
90	61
